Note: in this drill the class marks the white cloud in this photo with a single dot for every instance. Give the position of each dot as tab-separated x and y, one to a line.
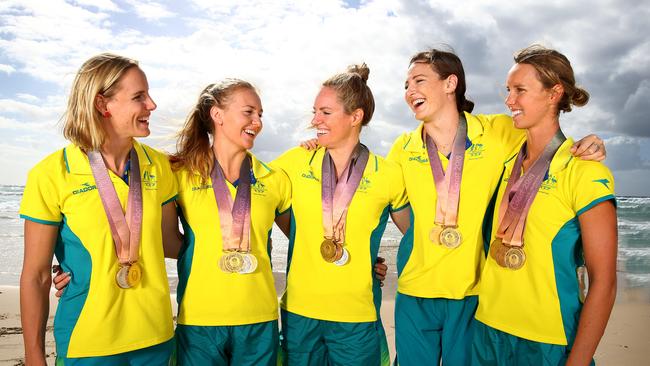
150	10
7	69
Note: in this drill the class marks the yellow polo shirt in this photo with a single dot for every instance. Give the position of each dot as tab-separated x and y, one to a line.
541	300
94	316
318	289
427	269
207	295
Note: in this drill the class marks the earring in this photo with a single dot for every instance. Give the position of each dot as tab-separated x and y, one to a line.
107	114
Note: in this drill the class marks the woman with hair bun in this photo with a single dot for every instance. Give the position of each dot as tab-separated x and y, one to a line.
97	204
343	194
451	165
554	215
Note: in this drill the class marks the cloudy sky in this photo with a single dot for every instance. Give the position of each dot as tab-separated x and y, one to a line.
286	48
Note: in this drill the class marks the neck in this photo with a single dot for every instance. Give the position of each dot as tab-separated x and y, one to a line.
442	129
341	155
538	137
229	156
116	153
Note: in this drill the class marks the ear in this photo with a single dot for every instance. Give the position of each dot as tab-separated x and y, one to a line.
216	114
357	117
557	91
100	104
451	83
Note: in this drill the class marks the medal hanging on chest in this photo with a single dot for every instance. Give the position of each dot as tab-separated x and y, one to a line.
507	249
445	229
336	196
234	220
125	229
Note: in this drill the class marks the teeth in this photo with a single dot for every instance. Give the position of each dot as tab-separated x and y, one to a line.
418	101
143	119
321	132
250	132
516	113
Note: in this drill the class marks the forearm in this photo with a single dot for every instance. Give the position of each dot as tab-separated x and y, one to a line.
34	311
593	320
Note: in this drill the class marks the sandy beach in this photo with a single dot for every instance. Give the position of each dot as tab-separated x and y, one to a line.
626	341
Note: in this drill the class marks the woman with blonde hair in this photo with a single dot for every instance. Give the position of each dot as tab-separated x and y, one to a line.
228	200
343	195
97	204
554	215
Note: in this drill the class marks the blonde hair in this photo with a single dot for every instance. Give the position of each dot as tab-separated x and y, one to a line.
554	68
353	92
99	75
193	147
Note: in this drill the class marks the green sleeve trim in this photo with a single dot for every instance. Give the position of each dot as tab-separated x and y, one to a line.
174	198
44	222
597	201
401	207
65	159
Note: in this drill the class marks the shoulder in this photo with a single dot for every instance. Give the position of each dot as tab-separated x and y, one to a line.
54	164
155	156
384	165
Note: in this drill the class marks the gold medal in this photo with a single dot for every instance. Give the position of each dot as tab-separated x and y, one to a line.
450	237
498	251
514	258
328	250
222	264
344	258
129	275
434	234
233	261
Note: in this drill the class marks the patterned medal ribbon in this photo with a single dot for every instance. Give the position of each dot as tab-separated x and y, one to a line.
125	229
234	218
516	201
448	184
336	195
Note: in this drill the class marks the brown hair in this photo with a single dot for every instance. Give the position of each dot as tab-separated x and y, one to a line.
446	63
353	92
82	122
554	68
193	147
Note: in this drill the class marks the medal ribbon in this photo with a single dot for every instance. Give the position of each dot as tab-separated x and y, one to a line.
234	219
448	185
337	194
125	229
521	191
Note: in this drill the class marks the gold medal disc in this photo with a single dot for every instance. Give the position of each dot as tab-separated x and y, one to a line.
222	263
450	237
434	234
134	274
515	258
328	250
233	261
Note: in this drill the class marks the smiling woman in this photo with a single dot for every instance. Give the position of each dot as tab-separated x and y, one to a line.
116	308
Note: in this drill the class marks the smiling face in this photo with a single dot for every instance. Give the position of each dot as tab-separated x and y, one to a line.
129	107
240	121
528	100
426	93
334	127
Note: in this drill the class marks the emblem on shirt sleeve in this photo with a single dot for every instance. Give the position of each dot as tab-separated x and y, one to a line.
603	181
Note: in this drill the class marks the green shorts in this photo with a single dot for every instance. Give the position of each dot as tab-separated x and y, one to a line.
158	355
250	344
493	347
313	342
430	330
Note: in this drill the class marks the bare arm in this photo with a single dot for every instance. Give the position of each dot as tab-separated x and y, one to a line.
402	219
172	238
599	239
35	278
284	222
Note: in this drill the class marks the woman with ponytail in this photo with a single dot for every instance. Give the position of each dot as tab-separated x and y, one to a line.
451	166
532	306
343	195
228	200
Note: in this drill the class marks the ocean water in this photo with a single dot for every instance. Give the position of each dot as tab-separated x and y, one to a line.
633	253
